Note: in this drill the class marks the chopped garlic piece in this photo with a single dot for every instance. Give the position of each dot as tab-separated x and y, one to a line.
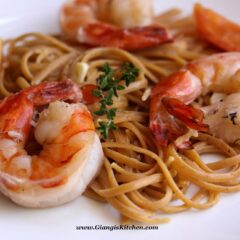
146	94
81	71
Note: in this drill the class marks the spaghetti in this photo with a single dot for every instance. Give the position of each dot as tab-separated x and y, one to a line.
138	178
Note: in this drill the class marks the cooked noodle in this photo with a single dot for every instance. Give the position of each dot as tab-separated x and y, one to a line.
138	178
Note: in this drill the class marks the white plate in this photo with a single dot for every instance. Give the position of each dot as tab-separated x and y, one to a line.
218	223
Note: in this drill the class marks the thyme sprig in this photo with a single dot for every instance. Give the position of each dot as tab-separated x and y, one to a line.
109	83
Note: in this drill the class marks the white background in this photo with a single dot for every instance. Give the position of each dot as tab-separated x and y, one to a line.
221	222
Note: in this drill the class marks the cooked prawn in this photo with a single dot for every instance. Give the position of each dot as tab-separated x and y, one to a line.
223	118
71	151
217	29
169	114
112	23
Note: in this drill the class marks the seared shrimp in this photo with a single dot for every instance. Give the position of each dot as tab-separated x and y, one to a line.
223	118
169	114
217	29
112	23
71	151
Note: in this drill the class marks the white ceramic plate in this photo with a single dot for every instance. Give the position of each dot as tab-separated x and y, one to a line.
218	223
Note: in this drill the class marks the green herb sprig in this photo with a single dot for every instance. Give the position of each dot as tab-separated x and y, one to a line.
108	84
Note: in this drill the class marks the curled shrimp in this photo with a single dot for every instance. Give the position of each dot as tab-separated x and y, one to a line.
216	29
70	153
223	118
112	23
169	113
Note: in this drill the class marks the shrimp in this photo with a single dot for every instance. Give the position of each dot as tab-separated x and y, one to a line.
170	116
70	153
113	23
216	29
223	118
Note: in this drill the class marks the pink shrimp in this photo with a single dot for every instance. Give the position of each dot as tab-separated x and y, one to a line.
112	23
216	29
71	151
169	113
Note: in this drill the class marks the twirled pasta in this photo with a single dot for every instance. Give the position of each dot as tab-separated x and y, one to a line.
138	178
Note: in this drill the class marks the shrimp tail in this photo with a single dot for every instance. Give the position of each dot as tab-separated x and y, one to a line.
88	97
216	29
192	117
51	91
167	132
171	119
129	39
164	127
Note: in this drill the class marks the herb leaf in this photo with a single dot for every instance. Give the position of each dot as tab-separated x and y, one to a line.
109	83
97	93
130	73
111	113
105	127
100	112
